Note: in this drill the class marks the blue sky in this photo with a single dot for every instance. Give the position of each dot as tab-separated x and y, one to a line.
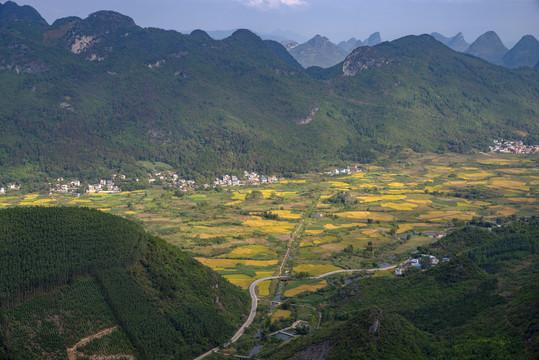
336	19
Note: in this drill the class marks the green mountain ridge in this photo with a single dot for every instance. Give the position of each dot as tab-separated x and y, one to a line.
68	273
91	97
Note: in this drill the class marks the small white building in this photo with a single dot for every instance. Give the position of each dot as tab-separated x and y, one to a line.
2	190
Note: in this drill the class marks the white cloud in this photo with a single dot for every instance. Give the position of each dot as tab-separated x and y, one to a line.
273	4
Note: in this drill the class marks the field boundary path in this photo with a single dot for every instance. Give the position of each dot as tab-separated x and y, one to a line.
73	353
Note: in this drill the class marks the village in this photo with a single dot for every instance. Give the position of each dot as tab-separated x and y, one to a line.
517	147
423	261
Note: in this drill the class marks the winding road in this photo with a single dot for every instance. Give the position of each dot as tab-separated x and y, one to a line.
254	300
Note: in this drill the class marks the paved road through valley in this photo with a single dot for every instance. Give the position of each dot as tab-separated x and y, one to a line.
254	301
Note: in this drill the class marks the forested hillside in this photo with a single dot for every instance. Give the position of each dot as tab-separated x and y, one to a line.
482	303
91	97
67	273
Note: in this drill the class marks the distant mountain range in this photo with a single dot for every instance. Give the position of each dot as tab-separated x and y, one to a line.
489	47
456	43
92	97
319	51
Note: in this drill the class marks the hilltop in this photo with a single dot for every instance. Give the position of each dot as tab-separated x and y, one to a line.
489	47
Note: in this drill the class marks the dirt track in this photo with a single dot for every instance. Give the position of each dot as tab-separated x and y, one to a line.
73	353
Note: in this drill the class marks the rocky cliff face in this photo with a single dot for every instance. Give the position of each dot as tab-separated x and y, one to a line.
94	37
362	59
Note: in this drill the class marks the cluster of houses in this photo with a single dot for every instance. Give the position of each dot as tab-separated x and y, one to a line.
12	187
104	186
65	187
173	179
74	186
347	170
249	178
416	262
517	147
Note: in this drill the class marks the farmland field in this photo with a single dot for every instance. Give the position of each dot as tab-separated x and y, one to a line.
392	209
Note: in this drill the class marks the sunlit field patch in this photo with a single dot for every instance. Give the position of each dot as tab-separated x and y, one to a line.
401	206
475	175
104	209
249	251
497	161
244	281
272	227
130	212
263	288
281	314
314	232
303	288
508	184
396	185
80	201
39	202
447	215
420	201
315	269
366	215
293	181
337	184
373	198
522	200
232	263
240	280
286	214
338	226
406	227
504	210
513	171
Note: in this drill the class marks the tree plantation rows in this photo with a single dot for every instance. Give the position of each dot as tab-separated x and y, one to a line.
87	271
41	248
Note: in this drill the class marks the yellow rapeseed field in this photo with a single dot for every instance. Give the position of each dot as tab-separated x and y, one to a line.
332	226
263	288
250	251
286	214
304	288
401	206
272	227
240	280
438	215
366	215
373	198
314	232
522	200
315	269
508	184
